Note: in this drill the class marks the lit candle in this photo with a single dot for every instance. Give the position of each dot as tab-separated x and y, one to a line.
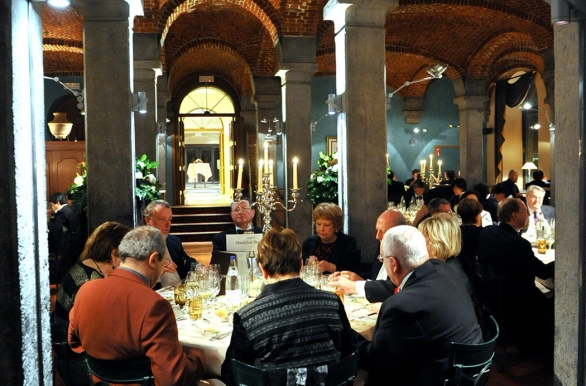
266	158
295	160
387	159
239	183
439	168
430	160
423	168
271	172
259	188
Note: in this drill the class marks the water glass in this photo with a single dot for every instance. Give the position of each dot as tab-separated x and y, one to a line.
180	295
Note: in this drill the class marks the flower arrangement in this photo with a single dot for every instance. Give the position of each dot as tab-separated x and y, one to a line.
147	188
323	183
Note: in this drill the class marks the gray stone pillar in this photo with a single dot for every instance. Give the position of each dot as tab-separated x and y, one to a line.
25	358
570	301
296	67
109	119
163	150
548	77
362	136
147	69
472	116
249	154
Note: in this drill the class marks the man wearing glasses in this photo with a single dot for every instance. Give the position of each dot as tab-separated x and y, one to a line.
537	212
121	317
242	215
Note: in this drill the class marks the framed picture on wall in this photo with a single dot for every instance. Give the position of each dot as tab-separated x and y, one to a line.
331	145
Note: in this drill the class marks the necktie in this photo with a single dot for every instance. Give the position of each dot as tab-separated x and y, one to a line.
535	216
396	290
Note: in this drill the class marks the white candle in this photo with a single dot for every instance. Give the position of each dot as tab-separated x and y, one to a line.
266	158
259	187
239	183
271	173
295	160
423	168
439	168
430	160
387	159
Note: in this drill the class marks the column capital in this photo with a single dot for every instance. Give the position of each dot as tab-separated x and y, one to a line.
358	13
108	9
471	102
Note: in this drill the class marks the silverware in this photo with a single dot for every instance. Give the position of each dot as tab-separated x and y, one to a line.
221	336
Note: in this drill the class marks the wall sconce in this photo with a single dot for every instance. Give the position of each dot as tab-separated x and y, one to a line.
333	108
560	12
313	125
139	102
434	72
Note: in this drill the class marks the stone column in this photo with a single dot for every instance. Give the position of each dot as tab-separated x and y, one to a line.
25	358
548	77
147	69
471	108
296	67
109	122
163	149
569	46
362	136
249	153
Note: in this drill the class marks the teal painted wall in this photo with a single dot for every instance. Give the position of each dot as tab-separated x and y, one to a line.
439	112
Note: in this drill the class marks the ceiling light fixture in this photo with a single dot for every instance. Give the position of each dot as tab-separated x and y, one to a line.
560	12
434	72
528	107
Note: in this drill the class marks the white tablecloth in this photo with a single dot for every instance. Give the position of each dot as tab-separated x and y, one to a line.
197	334
545	285
198	168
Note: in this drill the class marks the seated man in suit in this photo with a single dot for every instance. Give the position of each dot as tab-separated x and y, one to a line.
158	214
416	192
435	206
121	317
377	287
242	215
537	213
415	175
449	177
415	327
500	247
538	179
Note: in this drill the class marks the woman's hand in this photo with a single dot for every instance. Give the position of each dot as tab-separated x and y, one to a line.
325	266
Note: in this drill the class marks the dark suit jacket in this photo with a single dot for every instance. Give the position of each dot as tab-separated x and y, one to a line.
491	206
219	239
378	290
64	230
144	325
179	256
395	192
415	327
548	212
502	247
512	188
345	253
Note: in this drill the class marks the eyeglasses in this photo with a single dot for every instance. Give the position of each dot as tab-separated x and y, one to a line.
538	198
449	211
166	261
382	258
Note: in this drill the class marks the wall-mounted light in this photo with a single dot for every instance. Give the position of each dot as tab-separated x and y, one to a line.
434	72
528	107
333	108
77	94
139	102
560	12
269	136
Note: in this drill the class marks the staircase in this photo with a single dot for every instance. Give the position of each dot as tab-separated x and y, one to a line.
196	224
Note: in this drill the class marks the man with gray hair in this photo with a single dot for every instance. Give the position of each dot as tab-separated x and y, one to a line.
537	212
415	326
121	317
158	213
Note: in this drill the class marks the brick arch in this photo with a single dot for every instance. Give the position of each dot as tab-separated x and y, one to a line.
260	9
519	61
213	60
211	43
499	45
454	69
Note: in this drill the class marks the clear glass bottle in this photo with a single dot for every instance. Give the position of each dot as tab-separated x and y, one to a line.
233	283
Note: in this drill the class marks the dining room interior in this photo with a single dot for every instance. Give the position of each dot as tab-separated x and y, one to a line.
213	92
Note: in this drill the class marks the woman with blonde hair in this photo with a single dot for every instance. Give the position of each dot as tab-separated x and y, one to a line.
330	248
444	242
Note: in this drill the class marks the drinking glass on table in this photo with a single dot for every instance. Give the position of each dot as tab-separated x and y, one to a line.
191	282
180	295
215	279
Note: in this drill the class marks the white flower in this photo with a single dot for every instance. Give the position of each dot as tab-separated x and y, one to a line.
152	179
138	175
335	168
335	156
78	180
141	164
320	179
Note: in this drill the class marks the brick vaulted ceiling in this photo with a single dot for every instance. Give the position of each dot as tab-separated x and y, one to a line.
235	39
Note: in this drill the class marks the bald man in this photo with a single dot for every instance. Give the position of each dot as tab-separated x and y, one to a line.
378	288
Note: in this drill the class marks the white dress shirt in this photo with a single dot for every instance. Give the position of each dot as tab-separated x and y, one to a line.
530	234
382	275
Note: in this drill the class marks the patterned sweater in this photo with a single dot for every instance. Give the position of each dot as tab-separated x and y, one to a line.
290	325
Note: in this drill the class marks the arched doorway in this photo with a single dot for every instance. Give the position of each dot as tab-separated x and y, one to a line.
206	124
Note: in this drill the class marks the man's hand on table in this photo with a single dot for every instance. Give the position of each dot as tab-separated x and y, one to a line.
349	275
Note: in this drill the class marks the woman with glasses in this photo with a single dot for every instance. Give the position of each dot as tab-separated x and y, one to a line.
444	242
330	248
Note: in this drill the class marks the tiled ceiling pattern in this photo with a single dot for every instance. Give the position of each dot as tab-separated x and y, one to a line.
234	39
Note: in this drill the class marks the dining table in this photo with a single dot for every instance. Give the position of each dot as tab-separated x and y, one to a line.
546	286
212	332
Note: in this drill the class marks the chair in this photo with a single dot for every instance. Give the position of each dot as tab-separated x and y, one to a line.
131	370
71	366
339	374
470	363
492	295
